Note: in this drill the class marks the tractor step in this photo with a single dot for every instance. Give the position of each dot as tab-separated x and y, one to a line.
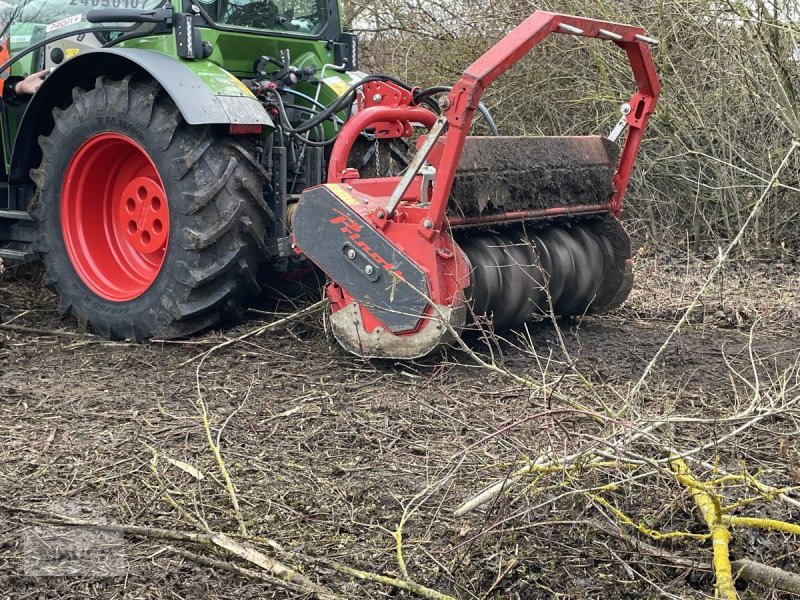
16	215
15	234
17	256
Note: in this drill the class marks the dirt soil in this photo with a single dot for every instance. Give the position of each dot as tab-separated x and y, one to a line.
506	174
326	450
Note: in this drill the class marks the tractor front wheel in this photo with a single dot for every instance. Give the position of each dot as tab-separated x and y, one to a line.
147	226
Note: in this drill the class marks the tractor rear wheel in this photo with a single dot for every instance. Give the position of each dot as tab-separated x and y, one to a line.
147	226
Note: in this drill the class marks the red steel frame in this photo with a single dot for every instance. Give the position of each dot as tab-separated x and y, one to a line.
465	96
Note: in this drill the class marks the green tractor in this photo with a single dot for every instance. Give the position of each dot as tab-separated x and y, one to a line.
177	157
144	172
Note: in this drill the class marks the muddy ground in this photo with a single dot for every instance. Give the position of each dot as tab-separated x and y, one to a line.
326	450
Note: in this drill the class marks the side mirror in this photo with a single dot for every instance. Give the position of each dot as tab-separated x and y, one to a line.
190	44
345	51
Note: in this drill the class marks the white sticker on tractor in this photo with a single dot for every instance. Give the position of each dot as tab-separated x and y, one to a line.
63	23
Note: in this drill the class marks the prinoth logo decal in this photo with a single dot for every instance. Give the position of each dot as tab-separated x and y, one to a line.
351	229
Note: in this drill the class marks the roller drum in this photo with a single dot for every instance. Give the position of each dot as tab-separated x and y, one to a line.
521	273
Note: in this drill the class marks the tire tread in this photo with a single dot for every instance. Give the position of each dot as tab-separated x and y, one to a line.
216	252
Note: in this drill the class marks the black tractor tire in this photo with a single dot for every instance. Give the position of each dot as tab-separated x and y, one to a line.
218	218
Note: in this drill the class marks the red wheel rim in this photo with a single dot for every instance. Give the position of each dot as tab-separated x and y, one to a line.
114	217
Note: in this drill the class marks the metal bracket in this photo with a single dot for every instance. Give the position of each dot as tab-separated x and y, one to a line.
428	173
415	165
281	247
622	124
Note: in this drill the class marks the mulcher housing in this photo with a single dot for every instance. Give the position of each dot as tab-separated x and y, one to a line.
395	237
180	159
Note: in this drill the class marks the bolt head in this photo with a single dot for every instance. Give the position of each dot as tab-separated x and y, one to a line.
351	254
380	214
444	102
377	98
427	223
369	270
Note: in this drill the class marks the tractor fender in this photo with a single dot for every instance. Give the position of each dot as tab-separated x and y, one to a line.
193	95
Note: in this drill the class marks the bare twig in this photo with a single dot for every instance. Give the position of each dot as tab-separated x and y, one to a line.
257	331
723	257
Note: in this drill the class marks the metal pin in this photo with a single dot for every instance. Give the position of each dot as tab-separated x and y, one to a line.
610	34
646	40
570	29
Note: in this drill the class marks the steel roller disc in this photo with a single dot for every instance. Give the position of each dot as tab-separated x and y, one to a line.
519	281
586	275
560	247
518	275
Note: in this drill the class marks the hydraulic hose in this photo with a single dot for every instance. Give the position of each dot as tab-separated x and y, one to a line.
336	106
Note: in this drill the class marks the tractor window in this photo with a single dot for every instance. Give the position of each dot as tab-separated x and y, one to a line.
28	21
50	12
303	17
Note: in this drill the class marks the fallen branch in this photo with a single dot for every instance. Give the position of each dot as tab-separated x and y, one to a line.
223	469
35	331
409	586
710	509
761	523
152	533
772	577
253	556
249	573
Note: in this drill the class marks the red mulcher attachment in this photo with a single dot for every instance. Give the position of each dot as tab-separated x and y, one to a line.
496	227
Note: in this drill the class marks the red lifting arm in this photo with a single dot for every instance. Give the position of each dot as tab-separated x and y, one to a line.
466	94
